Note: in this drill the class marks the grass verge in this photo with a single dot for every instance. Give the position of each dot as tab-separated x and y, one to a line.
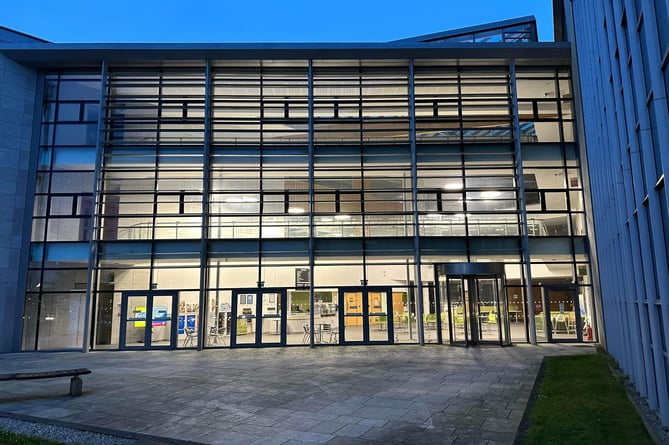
579	401
9	438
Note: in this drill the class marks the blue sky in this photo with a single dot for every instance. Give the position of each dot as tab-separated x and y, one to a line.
258	21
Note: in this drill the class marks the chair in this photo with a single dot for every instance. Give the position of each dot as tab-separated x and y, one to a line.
329	331
561	324
430	321
459	320
334	335
214	335
190	337
305	338
539	323
307	331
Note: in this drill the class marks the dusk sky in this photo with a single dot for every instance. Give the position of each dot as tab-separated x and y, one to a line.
71	21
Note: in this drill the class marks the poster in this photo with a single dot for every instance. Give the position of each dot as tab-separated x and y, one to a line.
159	316
302	277
191	322
139	316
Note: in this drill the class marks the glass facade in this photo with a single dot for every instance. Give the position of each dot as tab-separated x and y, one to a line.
269	202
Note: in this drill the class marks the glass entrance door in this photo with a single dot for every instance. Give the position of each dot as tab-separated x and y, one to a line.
147	320
457	302
563	314
477	309
364	317
260	317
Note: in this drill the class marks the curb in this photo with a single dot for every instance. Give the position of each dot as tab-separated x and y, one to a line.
525	421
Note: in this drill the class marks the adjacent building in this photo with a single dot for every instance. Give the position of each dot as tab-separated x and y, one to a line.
621	50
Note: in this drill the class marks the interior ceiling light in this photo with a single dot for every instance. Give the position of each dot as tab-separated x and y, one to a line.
453	186
295	210
240	199
490	194
342	217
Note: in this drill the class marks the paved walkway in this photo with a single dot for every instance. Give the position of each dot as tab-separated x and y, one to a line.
334	395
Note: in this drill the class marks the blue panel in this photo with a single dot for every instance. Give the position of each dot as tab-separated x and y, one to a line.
187	249
556	246
67	252
285	248
79	90
497	246
542	152
337	247
389	246
128	250
580	246
234	248
36	252
444	246
74	158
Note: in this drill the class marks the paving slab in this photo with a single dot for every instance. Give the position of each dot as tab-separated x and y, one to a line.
328	395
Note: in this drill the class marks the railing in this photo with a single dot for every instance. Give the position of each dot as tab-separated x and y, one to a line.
344	229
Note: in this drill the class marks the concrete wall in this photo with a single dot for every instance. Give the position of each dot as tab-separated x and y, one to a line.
17	108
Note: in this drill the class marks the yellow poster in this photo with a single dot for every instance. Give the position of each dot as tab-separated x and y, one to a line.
139	316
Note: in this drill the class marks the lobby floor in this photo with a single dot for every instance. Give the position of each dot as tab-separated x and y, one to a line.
335	395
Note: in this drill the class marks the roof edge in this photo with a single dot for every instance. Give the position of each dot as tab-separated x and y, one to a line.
22	35
43	56
468	29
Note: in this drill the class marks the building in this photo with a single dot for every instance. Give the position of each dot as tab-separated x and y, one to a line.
621	49
428	190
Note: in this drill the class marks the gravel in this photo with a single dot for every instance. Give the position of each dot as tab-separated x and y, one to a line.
653	424
61	434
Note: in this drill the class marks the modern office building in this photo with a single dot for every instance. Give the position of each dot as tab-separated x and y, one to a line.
622	53
427	190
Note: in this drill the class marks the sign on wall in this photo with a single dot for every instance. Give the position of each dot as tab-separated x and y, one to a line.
302	277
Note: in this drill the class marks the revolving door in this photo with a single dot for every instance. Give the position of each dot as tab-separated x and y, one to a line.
473	303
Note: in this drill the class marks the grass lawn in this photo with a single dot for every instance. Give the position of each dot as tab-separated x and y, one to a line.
8	438
581	402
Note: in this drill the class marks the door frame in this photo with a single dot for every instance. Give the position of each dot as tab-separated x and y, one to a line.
365	290
149	294
548	322
258	291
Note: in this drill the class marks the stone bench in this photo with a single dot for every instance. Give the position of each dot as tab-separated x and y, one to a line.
75	383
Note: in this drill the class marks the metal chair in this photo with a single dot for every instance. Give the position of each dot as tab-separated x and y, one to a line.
328	331
561	324
305	337
191	336
307	331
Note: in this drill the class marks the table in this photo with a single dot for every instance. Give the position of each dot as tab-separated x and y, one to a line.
318	335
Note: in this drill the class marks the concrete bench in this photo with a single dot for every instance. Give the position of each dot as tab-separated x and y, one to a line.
75	383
